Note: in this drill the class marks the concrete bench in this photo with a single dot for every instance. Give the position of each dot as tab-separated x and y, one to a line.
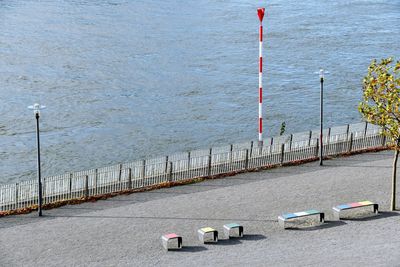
361	204
289	216
208	234
171	241
233	230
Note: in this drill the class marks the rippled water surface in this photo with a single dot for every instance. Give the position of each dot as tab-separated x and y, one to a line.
124	80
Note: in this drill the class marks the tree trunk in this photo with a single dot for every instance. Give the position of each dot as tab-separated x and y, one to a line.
393	200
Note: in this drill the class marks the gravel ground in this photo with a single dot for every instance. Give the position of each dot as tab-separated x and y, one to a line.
126	230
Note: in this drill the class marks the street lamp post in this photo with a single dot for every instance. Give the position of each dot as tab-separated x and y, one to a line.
36	110
321	78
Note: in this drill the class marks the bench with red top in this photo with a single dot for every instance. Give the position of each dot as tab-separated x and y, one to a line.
361	204
171	241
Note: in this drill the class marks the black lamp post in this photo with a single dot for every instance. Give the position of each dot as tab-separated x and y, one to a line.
321	78
36	110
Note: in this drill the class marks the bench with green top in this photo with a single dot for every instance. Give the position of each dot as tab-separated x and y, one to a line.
361	204
290	216
233	230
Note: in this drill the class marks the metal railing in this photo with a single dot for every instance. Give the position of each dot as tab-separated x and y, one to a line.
189	165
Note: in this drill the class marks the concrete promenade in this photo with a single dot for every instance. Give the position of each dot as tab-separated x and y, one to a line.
126	230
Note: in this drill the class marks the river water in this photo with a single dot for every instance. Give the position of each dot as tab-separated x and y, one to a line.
123	80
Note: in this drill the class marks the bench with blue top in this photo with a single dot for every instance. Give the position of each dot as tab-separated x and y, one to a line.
290	216
208	234
361	204
171	241
233	230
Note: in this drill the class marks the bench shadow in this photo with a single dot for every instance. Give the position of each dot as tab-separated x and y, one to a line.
192	249
325	225
252	237
380	215
226	242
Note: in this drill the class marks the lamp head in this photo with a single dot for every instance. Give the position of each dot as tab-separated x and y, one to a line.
322	73
36	108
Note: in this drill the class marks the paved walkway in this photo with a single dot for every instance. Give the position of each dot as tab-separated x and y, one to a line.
126	230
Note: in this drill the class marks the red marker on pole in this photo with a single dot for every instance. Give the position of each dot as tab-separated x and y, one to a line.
260	12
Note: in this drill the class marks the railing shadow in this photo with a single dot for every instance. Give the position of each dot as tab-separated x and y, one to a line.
160	218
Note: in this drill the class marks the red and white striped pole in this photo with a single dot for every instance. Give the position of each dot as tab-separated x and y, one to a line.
260	12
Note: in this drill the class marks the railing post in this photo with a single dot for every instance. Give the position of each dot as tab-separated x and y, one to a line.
70	184
44	195
129	178
329	135
209	162
188	166
251	148
166	164
170	172
246	164
309	138
365	129
96	174
291	140
384	140
351	142
143	169
260	148
347	132
270	147
282	152
317	148
16	195
120	173
86	186
231	153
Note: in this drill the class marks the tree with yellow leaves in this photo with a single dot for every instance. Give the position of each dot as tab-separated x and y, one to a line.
381	106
